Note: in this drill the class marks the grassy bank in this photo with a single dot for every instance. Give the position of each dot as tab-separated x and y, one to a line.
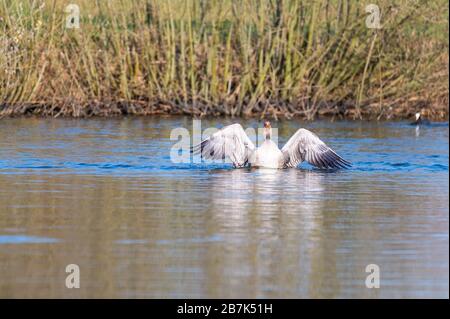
279	58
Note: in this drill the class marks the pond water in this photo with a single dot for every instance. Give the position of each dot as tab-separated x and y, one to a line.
104	195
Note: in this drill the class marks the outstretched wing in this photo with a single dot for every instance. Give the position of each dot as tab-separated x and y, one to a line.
231	142
306	146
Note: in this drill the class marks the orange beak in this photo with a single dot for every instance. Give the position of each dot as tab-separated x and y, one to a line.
267	124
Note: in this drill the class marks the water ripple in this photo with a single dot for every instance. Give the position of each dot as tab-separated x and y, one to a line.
24	239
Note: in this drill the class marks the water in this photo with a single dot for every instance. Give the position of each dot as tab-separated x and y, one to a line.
103	194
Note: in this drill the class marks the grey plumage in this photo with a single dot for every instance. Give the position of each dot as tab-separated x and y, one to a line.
307	146
231	141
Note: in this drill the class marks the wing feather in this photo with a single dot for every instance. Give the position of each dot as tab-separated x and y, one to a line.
306	146
229	142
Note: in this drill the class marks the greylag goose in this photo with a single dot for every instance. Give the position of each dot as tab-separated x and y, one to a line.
232	142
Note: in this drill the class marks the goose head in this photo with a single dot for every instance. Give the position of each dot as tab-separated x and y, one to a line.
267	130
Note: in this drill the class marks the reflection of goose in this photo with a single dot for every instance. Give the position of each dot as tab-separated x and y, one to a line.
240	194
420	120
233	143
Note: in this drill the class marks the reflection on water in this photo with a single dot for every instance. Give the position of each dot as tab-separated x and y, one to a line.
102	194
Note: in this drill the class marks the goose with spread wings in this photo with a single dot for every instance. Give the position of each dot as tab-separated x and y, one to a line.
232	142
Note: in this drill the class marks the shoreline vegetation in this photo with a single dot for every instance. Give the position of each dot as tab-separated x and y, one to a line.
264	58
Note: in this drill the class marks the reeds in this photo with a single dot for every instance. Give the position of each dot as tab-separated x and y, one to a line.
221	57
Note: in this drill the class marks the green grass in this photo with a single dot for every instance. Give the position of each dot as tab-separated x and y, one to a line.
221	57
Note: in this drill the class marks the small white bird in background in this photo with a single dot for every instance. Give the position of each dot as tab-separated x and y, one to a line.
232	142
420	120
